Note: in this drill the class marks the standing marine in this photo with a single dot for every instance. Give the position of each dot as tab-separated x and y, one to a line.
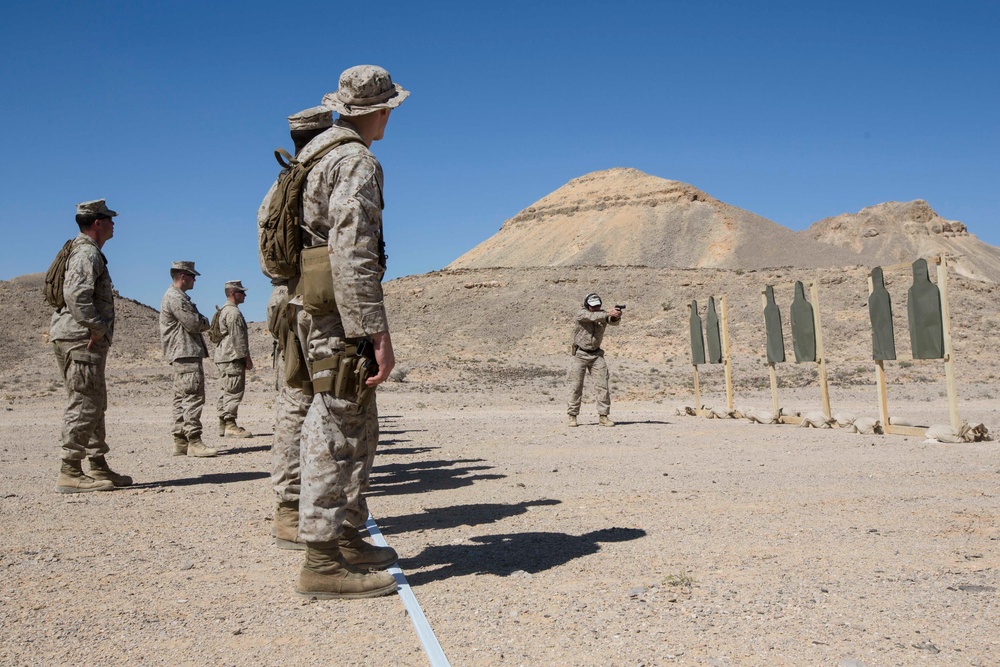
181	328
232	358
81	332
345	332
591	321
293	399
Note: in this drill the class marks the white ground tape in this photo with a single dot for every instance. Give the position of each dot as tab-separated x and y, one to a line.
424	632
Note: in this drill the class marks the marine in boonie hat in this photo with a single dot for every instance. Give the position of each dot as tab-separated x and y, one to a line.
364	89
95	208
235	286
313	118
186	267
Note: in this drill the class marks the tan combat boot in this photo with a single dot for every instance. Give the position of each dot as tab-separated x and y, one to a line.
73	480
234	431
603	420
180	445
359	553
198	448
571	421
326	575
285	528
99	469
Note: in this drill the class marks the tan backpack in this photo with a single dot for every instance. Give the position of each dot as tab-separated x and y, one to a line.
215	328
280	233
55	277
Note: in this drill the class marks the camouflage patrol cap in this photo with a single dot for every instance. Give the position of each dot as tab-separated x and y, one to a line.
186	267
313	118
96	208
236	286
364	89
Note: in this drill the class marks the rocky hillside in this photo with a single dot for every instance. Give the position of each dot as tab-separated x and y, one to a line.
624	217
896	232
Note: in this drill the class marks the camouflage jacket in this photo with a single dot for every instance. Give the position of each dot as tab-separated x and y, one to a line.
342	207
235	340
181	326
589	330
89	294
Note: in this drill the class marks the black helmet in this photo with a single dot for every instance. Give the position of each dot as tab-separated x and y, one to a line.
592	301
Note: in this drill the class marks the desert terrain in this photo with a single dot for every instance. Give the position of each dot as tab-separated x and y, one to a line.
666	540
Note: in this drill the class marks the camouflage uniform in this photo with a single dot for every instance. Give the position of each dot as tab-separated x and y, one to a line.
587	337
231	360
342	206
290	413
89	309
181	326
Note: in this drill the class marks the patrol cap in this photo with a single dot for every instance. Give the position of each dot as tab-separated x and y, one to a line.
186	267
236	286
364	89
96	207
592	301
313	118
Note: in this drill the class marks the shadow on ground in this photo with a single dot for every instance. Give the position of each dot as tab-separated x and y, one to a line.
459	515
503	555
423	476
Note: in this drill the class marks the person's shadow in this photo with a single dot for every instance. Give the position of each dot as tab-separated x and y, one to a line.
503	555
422	476
458	515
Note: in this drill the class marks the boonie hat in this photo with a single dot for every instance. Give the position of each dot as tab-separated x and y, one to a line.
236	286
364	89
186	267
96	207
592	300
313	118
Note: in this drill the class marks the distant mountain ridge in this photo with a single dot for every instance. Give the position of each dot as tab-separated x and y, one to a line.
624	217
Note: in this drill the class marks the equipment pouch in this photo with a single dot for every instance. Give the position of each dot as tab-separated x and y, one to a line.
316	284
295	366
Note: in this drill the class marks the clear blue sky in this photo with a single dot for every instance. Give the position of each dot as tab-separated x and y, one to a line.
795	111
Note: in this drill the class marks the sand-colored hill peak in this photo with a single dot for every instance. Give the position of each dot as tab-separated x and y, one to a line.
624	217
895	232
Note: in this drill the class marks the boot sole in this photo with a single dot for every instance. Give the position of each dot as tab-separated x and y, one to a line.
288	545
74	489
327	595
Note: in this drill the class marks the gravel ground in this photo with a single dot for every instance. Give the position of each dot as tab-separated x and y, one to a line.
666	540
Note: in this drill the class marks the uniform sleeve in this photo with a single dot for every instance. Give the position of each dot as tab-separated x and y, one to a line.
355	216
82	272
188	316
588	316
236	326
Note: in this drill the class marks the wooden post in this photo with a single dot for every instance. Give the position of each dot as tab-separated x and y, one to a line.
697	389
949	353
824	387
725	353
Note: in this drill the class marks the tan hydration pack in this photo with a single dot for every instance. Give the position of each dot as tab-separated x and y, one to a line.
55	277
280	232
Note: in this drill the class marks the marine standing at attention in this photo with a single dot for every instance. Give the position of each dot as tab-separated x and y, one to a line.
293	401
343	316
591	321
181	326
81	331
232	358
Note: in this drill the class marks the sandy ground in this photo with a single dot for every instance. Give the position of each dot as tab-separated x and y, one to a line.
665	540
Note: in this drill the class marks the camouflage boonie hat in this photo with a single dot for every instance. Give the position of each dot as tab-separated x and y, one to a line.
96	207
364	89
186	267
313	118
235	285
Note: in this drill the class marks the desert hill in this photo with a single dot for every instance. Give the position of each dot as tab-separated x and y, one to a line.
624	217
896	232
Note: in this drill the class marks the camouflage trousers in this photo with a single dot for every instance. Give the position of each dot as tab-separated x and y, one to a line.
233	380
582	363
189	396
339	439
290	413
83	431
